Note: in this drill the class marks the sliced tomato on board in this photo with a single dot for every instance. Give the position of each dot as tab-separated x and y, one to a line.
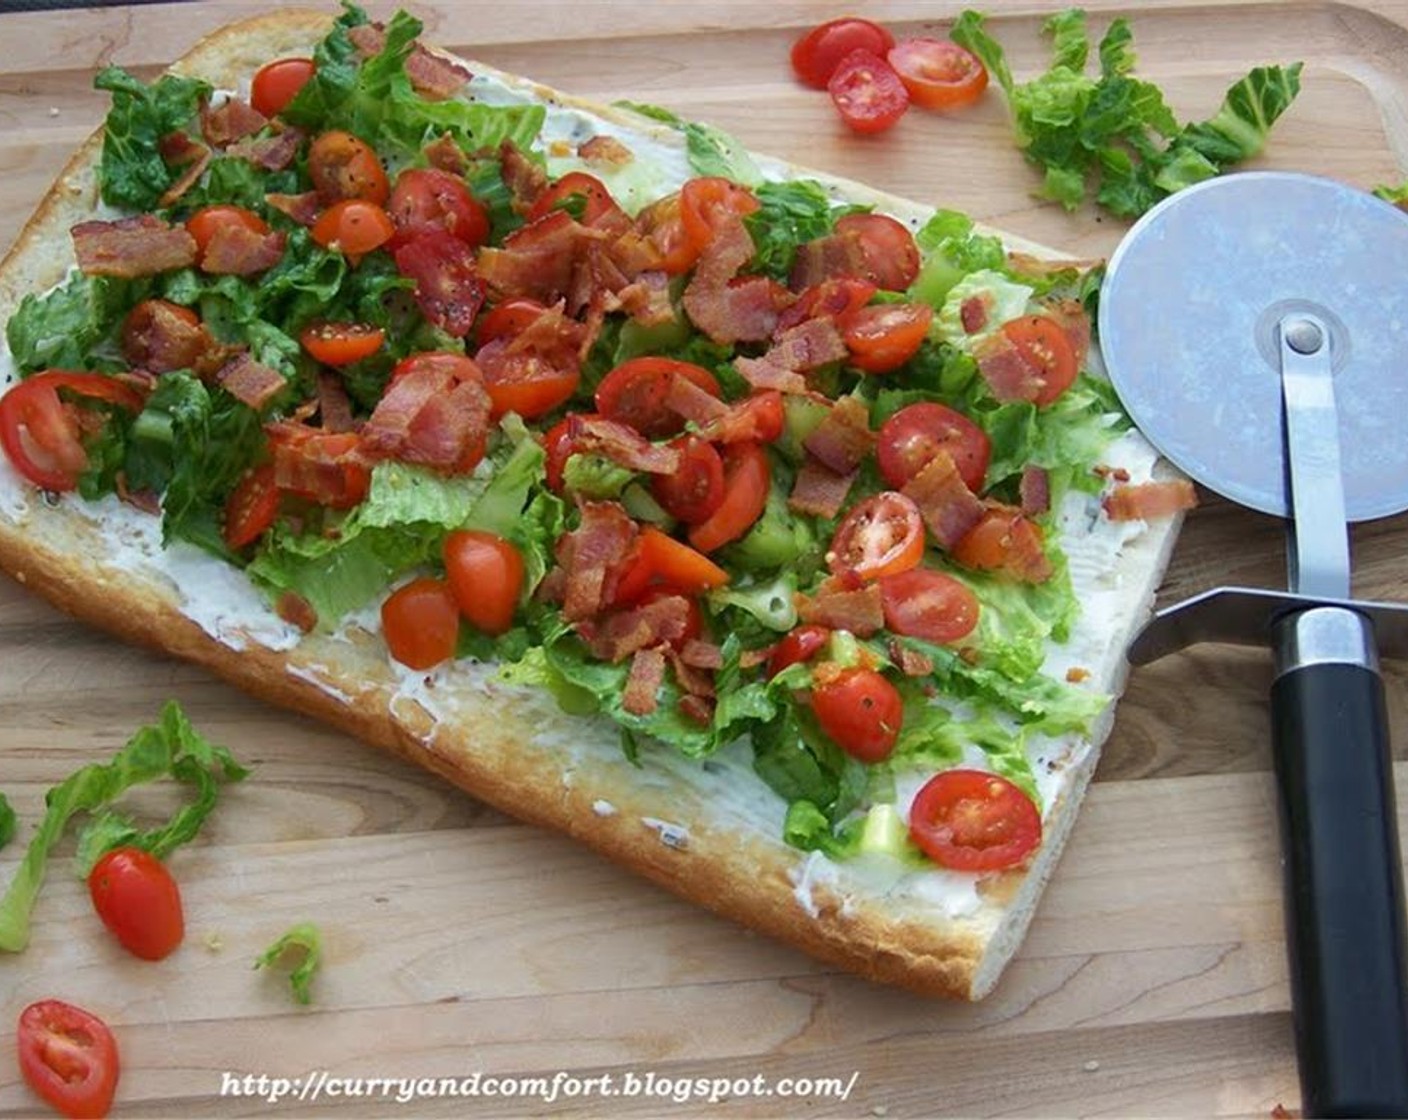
929	605
747	477
937	73
970	820
860	711
816	54
869	95
277	83
909	440
41	433
69	1058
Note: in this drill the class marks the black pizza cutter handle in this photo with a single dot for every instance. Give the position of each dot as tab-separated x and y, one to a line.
1343	870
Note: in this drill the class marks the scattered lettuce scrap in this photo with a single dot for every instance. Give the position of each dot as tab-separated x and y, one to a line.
169	748
1397	195
7	821
1116	129
305	940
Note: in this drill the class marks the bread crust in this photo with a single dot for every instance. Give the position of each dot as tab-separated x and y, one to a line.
509	746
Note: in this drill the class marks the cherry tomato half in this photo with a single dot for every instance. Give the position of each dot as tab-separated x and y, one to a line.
634	393
710	203
486	575
1046	348
909	440
696	489
558	444
40	433
138	900
525	381
861	712
747	477
251	508
277	83
421	622
203	224
880	536
801	644
341	344
69	1057
353	227
660	561
342	166
883	337
508	319
661	226
869	95
938	74
970	820
888	250
1005	541
929	605
816	54
595	200
427	200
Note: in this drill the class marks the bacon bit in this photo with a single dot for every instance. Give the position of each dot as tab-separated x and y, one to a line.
752	658
297	611
702	655
273	153
187	179
819	490
158	339
250	382
693	404
643	684
743	421
607	150
302	208
552	587
745	311
148	501
1281	1112
948	507
428	416
526	180
368	38
236	250
970	655
695	682
698	708
809	345
1007	372
843	439
334	406
860	611
973	313
592	556
143	381
912	663
434	76
824	258
1075	674
763	373
539	260
1149	500
1035	490
1119	474
619	634
132	247
177	148
646	299
446	155
233	121
1071	316
621	444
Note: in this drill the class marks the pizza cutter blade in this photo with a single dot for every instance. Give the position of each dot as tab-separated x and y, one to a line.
1256	329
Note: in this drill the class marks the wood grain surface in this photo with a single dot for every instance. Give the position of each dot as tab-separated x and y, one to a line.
1153	982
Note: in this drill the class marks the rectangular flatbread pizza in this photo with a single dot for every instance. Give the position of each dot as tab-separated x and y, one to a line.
776	538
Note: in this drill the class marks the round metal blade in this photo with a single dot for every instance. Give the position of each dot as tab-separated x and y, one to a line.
1189	312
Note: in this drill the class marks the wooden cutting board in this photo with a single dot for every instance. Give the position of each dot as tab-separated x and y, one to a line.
1153	981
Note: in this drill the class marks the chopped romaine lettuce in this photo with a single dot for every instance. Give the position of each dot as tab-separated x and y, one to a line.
132	173
73	326
1004	299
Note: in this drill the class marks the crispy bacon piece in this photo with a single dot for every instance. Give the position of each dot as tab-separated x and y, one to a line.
334	406
809	345
605	149
973	313
843	439
157	337
302	208
131	247
446	155
538	261
1071	315
428	416
273	153
646	299
728	310
294	609
148	501
1035	489
177	148
1147	500
819	490
643	683
617	635
694	681
861	611
525	180
237	250
824	258
911	662
692	403
948	507
368	38
233	121
698	708
249	381
435	77
187	179
621	444
592	556
763	373
1008	373
701	654
752	658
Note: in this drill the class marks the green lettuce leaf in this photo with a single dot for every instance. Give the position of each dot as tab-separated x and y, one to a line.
790	213
169	748
7	821
304	942
75	326
1397	195
132	174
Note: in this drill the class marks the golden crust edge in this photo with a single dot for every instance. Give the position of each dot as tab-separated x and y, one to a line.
747	880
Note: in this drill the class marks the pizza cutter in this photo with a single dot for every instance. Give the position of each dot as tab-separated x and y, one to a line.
1256	328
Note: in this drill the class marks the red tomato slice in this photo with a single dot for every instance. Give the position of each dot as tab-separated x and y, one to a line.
429	201
524	381
676	565
325	467
1005	541
595	199
695	491
759	418
448	289
909	440
342	166
661	225
353	227
138	900
861	712
747	477
929	605
973	821
41	434
869	95
880	536
341	344
1047	349
508	319
558	444
891	256
251	508
69	1058
634	393
883	337
421	622
937	73
837	297
486	575
801	644
277	83
708	204
816	54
